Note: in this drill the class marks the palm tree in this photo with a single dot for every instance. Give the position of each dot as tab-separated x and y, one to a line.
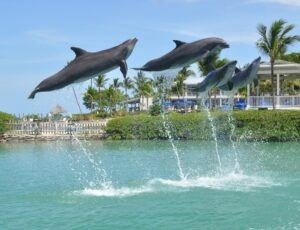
127	84
90	97
143	86
160	85
292	57
100	82
274	43
182	75
116	83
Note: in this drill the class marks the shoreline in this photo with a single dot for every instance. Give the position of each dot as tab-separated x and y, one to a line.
7	138
244	126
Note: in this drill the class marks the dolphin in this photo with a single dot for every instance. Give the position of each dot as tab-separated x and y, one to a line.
217	77
185	54
243	78
87	65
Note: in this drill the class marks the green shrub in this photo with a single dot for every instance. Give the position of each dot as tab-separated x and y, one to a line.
4	118
155	110
247	125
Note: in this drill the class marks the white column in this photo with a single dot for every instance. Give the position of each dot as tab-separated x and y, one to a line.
248	96
278	90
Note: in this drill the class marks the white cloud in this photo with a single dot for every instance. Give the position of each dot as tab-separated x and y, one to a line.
48	36
284	2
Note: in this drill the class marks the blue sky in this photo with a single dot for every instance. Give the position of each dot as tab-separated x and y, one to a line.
36	36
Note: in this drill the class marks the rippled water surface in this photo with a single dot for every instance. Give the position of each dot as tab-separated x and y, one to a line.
137	185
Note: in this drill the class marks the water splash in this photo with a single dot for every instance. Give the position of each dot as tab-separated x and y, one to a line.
227	182
213	129
165	83
90	172
166	124
231	123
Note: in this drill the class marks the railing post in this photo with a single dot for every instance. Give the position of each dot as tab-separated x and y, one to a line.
278	91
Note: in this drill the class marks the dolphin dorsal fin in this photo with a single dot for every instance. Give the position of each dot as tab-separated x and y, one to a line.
179	43
78	51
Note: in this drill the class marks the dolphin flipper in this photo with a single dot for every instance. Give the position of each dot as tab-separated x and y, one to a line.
123	68
32	95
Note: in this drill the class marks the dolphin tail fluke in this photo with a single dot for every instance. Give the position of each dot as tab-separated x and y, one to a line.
32	95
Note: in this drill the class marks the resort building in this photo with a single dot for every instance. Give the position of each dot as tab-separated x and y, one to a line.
286	97
256	97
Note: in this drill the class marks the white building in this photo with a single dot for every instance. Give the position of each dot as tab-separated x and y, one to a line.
284	71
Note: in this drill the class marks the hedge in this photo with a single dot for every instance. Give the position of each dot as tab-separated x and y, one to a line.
252	125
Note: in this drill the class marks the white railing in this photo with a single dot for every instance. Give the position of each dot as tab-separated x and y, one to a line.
56	128
280	101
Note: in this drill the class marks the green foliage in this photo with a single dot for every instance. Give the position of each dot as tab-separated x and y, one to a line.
274	43
249	126
267	125
4	117
292	57
90	98
155	109
110	98
143	85
182	75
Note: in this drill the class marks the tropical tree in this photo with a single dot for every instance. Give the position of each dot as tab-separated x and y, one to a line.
116	83
274	43
143	85
292	57
161	86
110	98
127	84
100	82
182	75
90	98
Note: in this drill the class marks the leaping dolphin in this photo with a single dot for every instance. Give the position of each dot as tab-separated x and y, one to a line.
217	77
185	54
87	65
243	78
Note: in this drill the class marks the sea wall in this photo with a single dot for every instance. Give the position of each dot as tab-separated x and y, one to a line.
50	131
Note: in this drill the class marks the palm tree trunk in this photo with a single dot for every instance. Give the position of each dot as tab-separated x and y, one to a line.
126	104
273	84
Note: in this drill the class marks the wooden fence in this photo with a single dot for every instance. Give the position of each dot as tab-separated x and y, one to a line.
56	128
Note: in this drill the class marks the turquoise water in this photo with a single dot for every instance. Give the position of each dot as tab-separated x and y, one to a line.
136	185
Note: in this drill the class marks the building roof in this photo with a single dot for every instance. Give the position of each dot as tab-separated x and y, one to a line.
191	81
281	67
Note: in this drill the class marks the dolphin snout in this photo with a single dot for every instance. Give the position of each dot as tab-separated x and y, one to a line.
134	40
257	59
225	45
